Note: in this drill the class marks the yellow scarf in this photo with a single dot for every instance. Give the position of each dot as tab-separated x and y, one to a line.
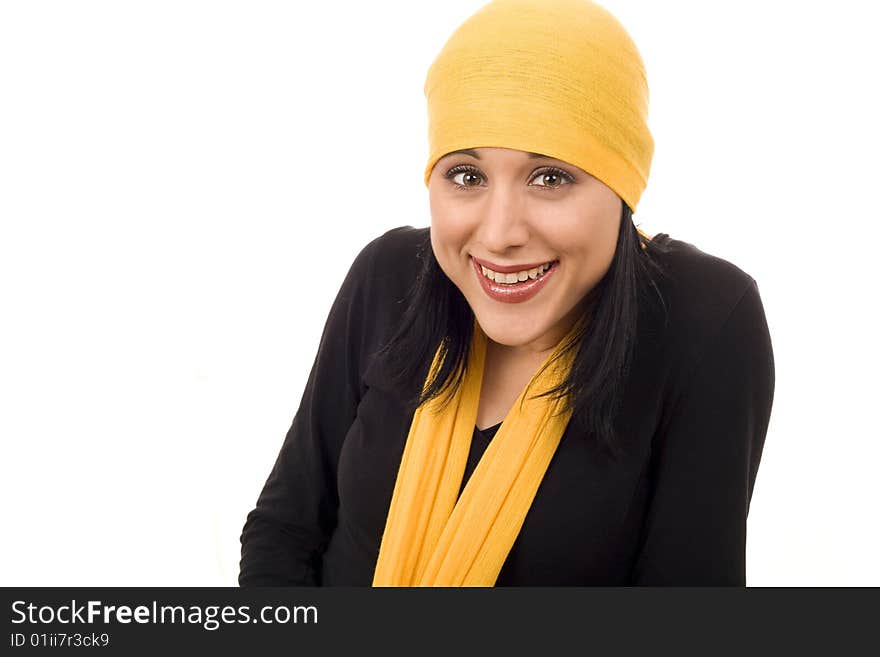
514	63
431	539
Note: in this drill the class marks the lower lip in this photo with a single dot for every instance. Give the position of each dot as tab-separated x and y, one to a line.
515	292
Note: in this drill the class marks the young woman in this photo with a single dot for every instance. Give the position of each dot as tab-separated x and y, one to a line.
532	391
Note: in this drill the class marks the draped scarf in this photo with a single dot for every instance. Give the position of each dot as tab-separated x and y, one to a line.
433	536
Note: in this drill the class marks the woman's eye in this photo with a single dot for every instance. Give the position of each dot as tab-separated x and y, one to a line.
462	179
554	174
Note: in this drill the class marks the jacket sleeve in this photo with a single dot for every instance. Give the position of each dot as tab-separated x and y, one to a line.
705	463
284	537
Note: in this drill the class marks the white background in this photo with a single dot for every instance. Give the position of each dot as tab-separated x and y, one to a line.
183	186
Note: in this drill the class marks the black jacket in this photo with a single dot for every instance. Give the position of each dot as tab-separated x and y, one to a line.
694	416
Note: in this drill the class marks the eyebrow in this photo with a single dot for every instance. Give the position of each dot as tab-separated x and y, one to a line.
473	153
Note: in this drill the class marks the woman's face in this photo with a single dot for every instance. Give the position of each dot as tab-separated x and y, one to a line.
505	210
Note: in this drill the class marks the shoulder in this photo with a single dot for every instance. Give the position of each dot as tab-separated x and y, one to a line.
395	252
700	289
388	264
399	250
704	298
710	327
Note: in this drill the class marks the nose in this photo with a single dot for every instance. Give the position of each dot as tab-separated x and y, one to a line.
503	225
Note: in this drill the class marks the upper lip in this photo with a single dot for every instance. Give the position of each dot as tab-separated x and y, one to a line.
509	269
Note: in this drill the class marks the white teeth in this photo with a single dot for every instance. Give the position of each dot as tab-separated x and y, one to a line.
515	277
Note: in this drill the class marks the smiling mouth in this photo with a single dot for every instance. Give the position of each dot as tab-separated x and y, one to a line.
513	278
522	286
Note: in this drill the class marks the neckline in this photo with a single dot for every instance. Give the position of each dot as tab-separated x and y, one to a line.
489	431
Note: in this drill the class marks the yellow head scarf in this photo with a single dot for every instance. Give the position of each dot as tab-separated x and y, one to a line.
560	78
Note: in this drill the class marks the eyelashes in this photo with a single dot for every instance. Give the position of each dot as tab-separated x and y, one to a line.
466	168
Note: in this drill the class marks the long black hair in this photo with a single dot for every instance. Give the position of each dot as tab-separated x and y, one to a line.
438	315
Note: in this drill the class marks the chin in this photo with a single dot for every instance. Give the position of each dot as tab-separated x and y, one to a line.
500	331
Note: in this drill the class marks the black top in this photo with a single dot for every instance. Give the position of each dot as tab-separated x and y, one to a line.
671	511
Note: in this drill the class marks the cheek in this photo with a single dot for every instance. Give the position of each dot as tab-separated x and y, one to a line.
587	241
448	231
447	248
445	240
595	250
